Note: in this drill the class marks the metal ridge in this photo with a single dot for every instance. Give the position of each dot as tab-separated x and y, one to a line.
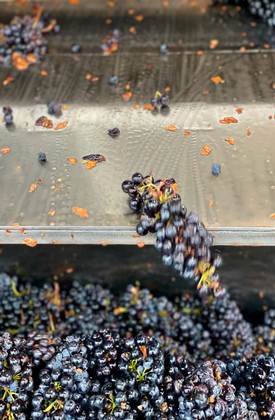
121	235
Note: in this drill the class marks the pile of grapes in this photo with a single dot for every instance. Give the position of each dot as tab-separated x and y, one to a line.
23	41
263	9
70	351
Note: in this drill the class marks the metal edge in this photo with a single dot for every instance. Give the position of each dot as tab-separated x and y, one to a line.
121	235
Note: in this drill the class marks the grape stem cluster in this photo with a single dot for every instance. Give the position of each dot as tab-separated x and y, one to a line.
180	237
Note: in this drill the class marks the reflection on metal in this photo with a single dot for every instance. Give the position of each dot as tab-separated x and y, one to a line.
242	196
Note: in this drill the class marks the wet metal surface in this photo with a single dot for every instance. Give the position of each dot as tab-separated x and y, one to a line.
242	197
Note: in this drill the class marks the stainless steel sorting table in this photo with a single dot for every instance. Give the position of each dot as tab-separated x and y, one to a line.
243	195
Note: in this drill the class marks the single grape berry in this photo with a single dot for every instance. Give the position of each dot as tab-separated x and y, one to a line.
75	49
42	157
216	169
114	132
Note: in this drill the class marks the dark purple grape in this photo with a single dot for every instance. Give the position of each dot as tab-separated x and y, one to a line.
126	185
137	178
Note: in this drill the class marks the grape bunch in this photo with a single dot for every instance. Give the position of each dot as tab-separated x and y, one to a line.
180	237
263	9
23	41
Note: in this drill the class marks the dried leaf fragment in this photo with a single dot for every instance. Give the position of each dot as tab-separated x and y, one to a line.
206	150
73	161
74	2
7	80
229	120
211	203
239	110
51	212
148	107
248	132
29	242
81	212
127	96
139	18
217	80
44	122
171	127
186	133
32	188
61	125
90	164
143	350
44	73
230	141
140	244
213	44
5	150
272	216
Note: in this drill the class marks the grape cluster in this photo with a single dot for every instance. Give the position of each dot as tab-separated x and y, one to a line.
105	376
195	326
24	36
263	9
160	100
16	378
180	237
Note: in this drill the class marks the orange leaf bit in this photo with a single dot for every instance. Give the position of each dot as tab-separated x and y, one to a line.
206	150
239	110
248	132
272	216
7	80
5	150
90	164
127	96
51	212
81	212
230	141
211	203
217	80
229	120
143	350
8	231
32	188
148	107
74	2
171	127
186	133
139	18
44	73
140	244
73	161
136	106
61	125
29	242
